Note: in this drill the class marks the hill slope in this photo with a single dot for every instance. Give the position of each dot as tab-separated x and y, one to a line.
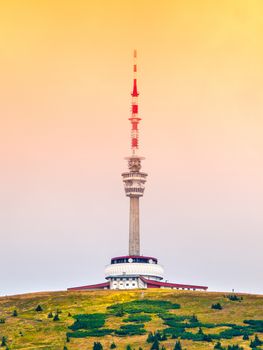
129	321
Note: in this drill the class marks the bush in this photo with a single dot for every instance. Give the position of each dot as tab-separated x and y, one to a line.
256	342
97	346
56	318
217	306
113	346
147	306
50	315
4	341
218	346
155	344
2	320
137	318
131	329
256	325
178	345
90	333
233	297
193	319
38	308
245	336
15	313
88	321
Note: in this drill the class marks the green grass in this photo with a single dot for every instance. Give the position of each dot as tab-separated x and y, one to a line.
142	311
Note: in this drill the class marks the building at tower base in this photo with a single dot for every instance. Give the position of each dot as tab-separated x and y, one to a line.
135	272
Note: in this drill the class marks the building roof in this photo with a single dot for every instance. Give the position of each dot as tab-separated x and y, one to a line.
92	286
134	257
158	284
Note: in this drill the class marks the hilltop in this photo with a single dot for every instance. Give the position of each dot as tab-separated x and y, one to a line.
52	320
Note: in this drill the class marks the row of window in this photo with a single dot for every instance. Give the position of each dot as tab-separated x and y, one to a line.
124	279
127	284
134	190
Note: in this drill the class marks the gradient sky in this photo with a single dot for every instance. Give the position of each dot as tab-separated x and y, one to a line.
66	76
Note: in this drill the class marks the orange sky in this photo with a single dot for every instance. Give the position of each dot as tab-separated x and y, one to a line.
66	75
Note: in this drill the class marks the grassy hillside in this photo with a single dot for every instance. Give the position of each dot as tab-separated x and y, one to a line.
127	317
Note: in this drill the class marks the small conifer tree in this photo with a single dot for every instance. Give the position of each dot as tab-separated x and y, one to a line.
150	338
50	315
113	346
178	345
200	331
194	319
97	346
4	341
218	346
56	318
39	308
128	347
155	345
245	336
15	313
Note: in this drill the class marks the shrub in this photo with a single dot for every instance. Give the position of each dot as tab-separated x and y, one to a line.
218	346
113	346
233	297
15	313
90	333
147	306
2	320
97	346
150	338
4	341
137	318
128	347
178	345
256	342
193	319
131	329
256	325
65	348
245	336
217	306
38	308
88	321
50	315
155	344
56	318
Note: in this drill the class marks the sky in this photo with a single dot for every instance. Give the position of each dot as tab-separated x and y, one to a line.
66	78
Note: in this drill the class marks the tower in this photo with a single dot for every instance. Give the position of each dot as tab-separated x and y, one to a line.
135	270
134	180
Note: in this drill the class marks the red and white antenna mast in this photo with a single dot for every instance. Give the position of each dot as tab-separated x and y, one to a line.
134	180
134	117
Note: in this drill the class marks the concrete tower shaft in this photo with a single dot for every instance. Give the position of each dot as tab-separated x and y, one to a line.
134	180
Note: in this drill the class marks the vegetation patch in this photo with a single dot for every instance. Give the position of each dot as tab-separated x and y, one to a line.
147	306
88	321
137	318
131	329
